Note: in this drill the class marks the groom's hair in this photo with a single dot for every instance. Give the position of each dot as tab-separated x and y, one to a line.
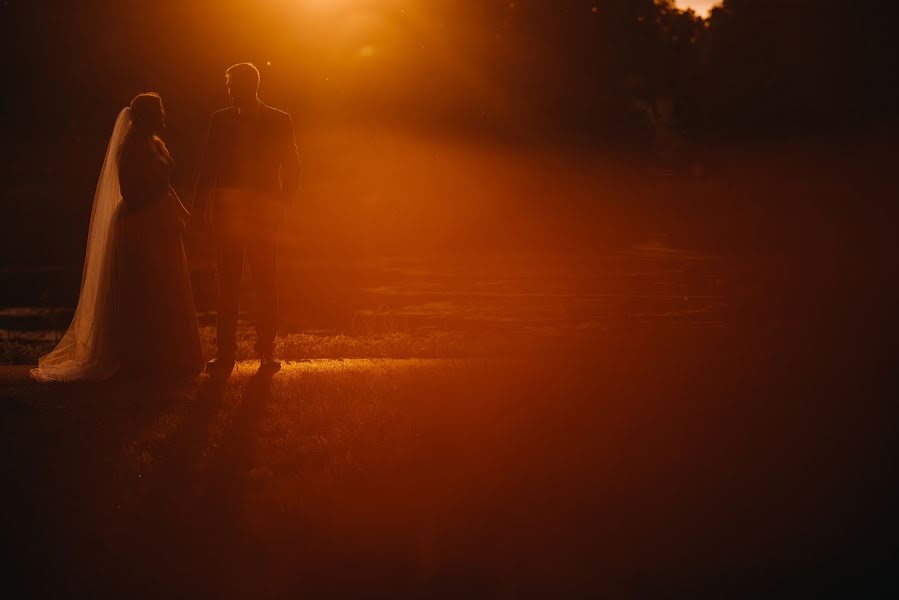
244	73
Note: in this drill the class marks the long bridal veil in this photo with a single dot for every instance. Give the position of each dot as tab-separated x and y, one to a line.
89	348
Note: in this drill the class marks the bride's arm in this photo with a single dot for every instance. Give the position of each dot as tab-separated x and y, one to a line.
185	213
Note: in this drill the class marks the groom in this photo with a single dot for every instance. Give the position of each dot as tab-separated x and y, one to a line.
248	176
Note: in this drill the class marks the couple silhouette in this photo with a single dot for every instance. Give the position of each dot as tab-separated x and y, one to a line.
135	311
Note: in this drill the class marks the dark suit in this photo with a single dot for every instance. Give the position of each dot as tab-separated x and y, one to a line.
251	157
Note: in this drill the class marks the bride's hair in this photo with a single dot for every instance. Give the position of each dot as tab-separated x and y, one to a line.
147	116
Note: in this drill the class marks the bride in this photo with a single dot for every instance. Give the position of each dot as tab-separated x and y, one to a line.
135	312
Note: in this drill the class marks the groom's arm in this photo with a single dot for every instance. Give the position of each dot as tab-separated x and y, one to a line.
290	163
206	175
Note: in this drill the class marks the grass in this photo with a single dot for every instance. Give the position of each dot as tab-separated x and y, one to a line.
180	482
302	346
13	352
435	344
629	468
749	459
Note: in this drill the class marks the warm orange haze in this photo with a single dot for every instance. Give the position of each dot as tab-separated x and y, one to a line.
445	298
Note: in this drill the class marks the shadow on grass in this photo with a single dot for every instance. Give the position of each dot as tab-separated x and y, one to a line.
630	468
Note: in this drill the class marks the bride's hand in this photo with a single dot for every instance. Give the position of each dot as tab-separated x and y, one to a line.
183	222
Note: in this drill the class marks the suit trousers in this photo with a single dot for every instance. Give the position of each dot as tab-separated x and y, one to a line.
258	245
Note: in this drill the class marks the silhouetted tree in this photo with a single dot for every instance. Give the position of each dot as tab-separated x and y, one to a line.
797	65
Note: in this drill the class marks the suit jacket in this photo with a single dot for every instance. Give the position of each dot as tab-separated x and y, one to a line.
274	166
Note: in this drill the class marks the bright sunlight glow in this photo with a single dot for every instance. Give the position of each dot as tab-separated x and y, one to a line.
700	7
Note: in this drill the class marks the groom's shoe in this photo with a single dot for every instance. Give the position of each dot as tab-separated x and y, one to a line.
220	364
269	363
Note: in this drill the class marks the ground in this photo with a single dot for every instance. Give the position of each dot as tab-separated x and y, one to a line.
660	385
654	464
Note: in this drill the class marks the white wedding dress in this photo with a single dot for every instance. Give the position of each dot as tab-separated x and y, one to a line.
135	311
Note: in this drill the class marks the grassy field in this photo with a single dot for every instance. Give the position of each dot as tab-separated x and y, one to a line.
676	462
669	385
299	346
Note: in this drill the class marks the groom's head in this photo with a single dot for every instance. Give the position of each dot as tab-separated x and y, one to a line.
242	81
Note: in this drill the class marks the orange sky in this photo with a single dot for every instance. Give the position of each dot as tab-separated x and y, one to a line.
702	7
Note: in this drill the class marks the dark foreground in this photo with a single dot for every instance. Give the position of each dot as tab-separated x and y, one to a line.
722	462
